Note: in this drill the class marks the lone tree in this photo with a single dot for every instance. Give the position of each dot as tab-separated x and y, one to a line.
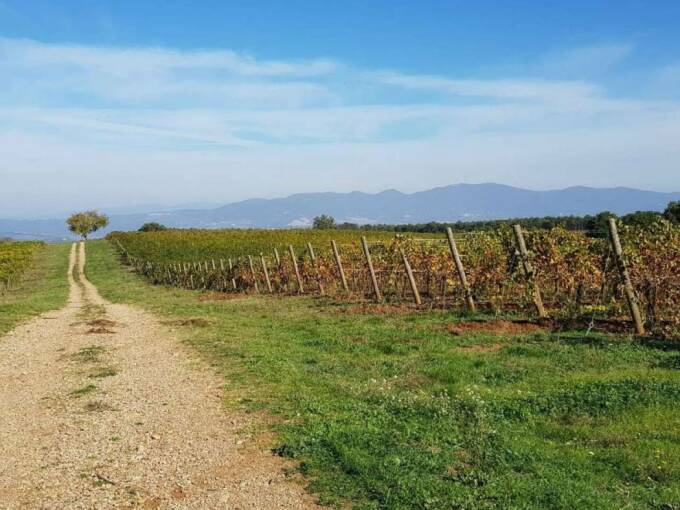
324	222
672	212
152	226
84	223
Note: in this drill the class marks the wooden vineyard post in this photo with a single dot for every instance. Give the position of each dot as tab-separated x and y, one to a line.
266	273
338	262
312	257
252	272
224	279
625	277
213	264
282	284
411	279
369	262
301	289
460	270
529	271
231	272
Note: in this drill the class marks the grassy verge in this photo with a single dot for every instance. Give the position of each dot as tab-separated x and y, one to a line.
393	411
44	287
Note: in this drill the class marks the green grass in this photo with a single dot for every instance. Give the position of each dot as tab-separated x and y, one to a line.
85	390
44	287
394	412
102	372
89	354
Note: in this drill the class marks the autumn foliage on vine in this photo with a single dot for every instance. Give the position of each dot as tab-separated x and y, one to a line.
575	272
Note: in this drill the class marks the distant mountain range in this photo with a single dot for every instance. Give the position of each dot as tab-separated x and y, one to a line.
459	202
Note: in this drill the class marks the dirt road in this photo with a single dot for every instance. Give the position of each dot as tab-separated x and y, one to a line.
101	408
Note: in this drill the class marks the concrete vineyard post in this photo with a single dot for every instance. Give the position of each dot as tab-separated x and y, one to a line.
529	271
369	262
411	279
312	257
252	272
266	273
338	262
625	277
460	270
213	264
301	289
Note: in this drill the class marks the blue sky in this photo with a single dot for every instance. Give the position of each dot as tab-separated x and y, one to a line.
179	102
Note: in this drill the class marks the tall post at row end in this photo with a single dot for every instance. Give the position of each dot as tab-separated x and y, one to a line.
625	277
460	270
369	262
529	271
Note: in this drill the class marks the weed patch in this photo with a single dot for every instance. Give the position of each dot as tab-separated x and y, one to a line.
85	390
103	372
89	354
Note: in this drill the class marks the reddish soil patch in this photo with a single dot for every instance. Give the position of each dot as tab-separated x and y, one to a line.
101	323
99	330
495	327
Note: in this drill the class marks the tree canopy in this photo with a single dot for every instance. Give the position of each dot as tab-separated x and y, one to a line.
672	212
324	222
86	222
152	226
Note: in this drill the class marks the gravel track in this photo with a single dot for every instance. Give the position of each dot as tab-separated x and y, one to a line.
100	407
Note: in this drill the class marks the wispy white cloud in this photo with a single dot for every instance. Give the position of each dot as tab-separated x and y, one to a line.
125	61
500	89
42	73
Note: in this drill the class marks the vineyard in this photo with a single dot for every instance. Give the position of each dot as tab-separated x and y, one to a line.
15	258
558	273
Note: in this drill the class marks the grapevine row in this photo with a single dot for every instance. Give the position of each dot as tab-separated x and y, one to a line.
575	275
